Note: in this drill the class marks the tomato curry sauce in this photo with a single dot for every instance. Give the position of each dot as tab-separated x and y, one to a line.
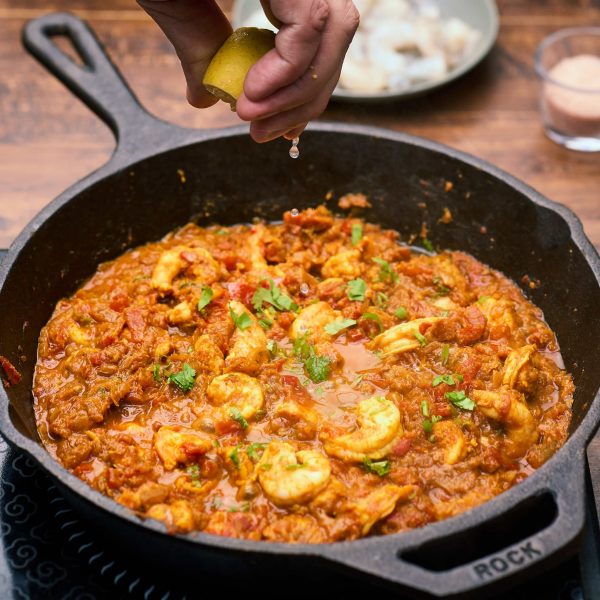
307	381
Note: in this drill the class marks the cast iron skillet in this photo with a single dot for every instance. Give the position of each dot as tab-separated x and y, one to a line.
161	176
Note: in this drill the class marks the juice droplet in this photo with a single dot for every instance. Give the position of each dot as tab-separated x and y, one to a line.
304	289
294	152
294	212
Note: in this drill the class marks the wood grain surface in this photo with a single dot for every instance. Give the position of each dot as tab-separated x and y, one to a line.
48	139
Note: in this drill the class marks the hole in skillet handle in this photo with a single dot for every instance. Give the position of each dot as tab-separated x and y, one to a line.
3	253
527	518
491	548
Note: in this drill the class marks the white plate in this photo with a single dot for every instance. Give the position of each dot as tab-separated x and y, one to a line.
481	15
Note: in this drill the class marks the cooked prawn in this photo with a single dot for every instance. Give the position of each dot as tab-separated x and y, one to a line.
171	262
403	337
378	421
248	346
509	408
178	445
288	476
312	320
236	392
344	264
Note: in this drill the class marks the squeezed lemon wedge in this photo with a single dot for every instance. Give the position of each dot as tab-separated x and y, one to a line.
227	70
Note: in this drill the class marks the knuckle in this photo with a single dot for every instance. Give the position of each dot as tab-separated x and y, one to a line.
318	14
352	19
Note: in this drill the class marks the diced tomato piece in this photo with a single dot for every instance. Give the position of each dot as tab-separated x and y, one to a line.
242	292
402	447
119	301
12	374
136	323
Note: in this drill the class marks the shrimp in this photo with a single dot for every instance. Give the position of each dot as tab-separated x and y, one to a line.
172	262
291	477
451	439
378	504
180	314
501	317
248	350
305	419
344	264
514	364
256	255
237	393
403	337
79	335
209	355
312	320
509	408
175	445
177	515
379	428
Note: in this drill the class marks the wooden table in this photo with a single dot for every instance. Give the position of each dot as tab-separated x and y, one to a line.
48	139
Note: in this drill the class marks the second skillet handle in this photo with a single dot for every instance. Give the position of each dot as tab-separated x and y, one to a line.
475	569
97	82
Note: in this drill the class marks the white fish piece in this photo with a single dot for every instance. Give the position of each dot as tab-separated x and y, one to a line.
361	77
427	69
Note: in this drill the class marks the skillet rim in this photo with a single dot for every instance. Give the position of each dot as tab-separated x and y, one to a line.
570	456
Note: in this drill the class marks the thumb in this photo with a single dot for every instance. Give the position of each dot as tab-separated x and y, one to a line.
197	29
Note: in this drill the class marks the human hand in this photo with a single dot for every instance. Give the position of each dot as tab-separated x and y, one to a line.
292	83
197	29
288	86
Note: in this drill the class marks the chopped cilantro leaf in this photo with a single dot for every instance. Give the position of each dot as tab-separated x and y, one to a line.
254	449
380	468
401	312
194	474
356	289
302	346
445	354
156	373
206	295
357	233
339	325
265	323
386	272
235	458
381	299
318	367
374	317
427	245
442	290
275	349
439	379
241	321
420	338
184	380
294	466
460	400
425	408
236	415
273	296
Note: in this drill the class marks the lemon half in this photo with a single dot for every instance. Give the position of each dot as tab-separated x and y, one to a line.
227	70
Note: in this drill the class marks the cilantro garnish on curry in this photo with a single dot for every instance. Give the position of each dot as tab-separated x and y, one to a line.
308	381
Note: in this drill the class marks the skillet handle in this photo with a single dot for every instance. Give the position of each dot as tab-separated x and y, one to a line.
447	561
97	83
